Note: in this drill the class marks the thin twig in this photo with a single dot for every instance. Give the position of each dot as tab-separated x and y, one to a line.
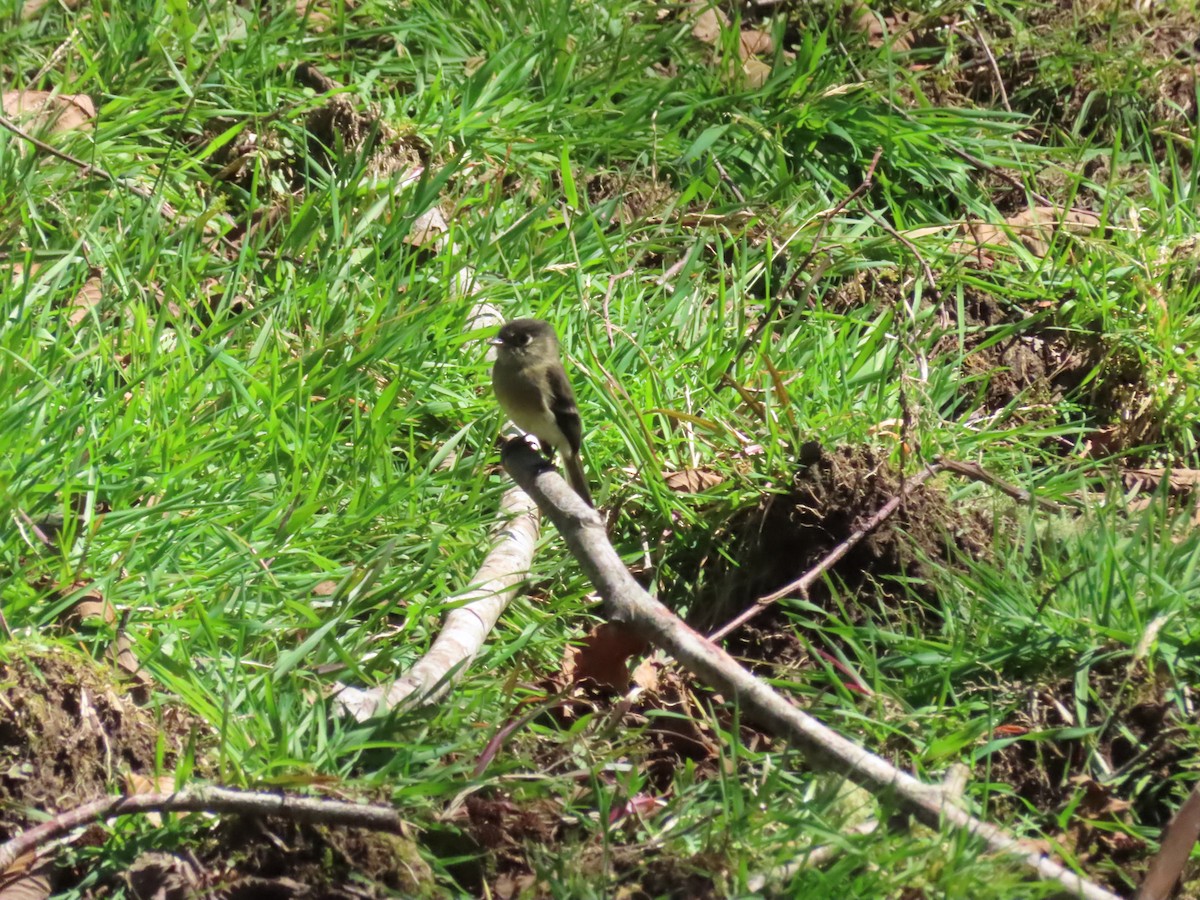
806	581
977	473
471	618
626	602
203	799
912	248
608	292
730	183
987	51
87	169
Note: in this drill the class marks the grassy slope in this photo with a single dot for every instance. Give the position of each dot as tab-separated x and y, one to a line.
297	426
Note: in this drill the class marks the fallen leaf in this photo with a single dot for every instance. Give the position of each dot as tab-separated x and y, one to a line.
427	229
92	605
140	784
317	20
693	481
25	879
1179	481
866	23
47	111
707	24
508	885
603	655
1098	801
645	675
641	805
85	300
19	271
755	43
756	71
164	876
1033	227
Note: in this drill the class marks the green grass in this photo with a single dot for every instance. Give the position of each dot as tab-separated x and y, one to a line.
227	430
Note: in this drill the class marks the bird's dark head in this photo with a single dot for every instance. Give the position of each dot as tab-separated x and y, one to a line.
524	336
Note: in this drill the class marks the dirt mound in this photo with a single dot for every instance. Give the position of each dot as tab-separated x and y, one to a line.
68	734
833	493
71	734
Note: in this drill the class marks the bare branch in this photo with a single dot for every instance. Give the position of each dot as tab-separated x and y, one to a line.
468	623
976	472
203	799
627	603
1177	842
165	209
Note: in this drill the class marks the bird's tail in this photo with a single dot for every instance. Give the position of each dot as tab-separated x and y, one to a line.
574	466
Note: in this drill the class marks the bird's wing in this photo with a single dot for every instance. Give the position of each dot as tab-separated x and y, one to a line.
562	404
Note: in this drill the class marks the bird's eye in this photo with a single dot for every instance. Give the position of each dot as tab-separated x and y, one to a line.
524	339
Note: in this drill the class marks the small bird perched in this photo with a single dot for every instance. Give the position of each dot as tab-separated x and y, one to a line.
531	386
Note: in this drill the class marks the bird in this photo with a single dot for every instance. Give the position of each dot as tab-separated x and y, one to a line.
531	387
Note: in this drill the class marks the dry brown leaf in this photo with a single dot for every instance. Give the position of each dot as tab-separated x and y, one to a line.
755	43
1179	481
1033	227
603	656
25	879
141	784
707	23
507	886
317	20
120	651
92	605
645	675
756	71
427	229
693	481
19	271
85	300
46	111
866	23
165	876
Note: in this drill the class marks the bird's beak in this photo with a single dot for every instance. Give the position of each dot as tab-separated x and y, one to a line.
496	342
